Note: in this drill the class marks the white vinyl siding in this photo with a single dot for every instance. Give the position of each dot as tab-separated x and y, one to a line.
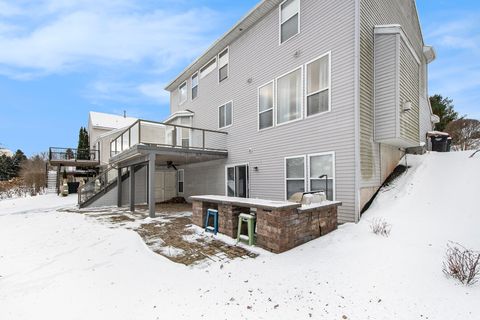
289	97
295	180
182	92
180	180
289	19
208	68
265	106
223	70
195	86
318	85
319	165
225	115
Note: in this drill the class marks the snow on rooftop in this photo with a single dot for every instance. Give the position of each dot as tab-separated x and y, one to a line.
111	121
6	152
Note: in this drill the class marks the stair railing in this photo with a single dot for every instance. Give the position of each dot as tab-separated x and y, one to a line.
97	185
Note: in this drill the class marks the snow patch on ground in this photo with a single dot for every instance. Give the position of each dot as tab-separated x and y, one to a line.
62	265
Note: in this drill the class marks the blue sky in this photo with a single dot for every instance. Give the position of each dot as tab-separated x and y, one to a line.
60	59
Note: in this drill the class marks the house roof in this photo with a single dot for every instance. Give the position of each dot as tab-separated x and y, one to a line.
258	12
182	113
109	121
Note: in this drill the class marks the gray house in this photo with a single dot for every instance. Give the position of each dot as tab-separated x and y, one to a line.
298	95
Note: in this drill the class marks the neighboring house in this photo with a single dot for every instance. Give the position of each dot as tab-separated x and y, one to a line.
295	92
101	128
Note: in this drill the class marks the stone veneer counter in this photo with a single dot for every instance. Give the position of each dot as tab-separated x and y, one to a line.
281	225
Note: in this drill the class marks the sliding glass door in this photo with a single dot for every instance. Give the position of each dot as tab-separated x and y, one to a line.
237	181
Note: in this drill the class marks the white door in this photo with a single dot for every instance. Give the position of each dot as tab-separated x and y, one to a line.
165	185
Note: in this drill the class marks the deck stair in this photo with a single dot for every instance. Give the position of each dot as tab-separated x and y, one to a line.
52	181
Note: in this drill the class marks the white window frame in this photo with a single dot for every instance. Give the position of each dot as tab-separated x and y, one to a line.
305	178
272	82
191	84
227	64
178	181
302	98
306	95
280	22
332	153
218	115
180	102
201	74
247	164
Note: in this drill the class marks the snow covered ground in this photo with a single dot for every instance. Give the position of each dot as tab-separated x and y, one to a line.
58	265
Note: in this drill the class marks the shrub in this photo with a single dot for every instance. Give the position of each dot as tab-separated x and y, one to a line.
380	227
461	264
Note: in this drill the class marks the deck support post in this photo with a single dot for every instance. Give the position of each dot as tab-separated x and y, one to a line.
119	187
132	188
151	185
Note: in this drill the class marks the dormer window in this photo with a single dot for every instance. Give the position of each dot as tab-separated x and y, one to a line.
289	19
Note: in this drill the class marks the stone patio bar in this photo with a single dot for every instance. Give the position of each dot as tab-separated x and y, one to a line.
281	225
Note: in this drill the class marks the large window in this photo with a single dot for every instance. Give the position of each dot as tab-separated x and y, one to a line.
265	106
322	173
195	86
318	85
180	180
294	175
209	67
223	58
289	19
182	92
289	97
225	115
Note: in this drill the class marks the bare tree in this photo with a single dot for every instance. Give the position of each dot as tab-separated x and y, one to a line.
33	173
465	133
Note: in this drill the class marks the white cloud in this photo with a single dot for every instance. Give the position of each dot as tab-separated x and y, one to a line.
456	71
92	35
156	91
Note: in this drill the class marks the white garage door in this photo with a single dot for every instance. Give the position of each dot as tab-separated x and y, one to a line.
165	185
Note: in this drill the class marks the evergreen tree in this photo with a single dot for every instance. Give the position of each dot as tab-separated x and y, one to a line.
443	108
83	144
17	160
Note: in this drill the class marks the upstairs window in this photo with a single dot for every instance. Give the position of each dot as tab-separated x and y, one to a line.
225	115
289	97
289	19
318	85
209	67
195	86
182	92
265	106
223	65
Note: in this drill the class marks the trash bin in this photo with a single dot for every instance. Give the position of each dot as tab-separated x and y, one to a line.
73	187
440	143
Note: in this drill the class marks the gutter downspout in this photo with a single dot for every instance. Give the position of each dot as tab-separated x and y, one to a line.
356	91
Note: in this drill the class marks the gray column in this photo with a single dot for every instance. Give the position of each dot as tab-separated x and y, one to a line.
132	188
151	185
119	187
